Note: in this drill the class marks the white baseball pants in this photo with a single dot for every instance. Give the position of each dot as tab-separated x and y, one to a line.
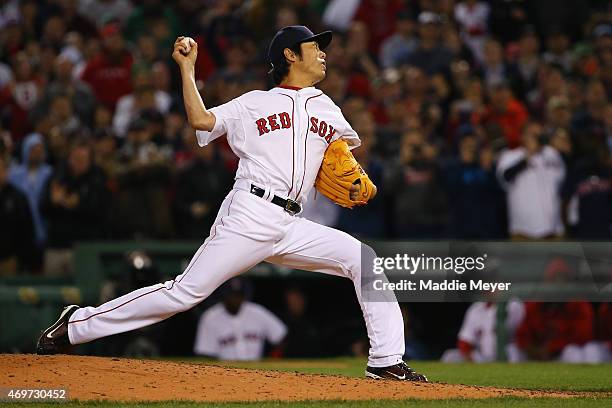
248	230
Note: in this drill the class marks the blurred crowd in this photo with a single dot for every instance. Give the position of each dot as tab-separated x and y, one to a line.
479	119
570	332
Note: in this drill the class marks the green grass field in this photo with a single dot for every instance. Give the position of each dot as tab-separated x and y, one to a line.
595	380
537	376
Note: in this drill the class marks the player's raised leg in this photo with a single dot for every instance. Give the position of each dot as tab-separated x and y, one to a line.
228	251
314	247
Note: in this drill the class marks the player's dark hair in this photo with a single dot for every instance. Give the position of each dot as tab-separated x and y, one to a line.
281	70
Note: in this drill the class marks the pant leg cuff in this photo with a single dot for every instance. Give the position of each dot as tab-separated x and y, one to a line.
71	334
385	361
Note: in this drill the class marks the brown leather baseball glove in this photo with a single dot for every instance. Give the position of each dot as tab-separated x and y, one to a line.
341	178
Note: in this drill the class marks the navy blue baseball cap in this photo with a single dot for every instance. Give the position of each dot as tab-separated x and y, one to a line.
290	36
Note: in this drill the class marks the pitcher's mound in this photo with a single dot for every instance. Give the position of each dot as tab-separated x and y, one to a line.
96	378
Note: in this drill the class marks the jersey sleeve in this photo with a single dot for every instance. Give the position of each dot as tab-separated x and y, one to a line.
346	131
469	327
554	157
516	314
349	134
205	343
275	330
507	159
226	118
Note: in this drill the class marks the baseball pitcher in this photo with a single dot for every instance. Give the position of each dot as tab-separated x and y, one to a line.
288	139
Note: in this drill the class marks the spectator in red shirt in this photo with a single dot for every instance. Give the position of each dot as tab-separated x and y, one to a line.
380	17
363	68
599	350
604	323
21	95
554	331
109	73
506	112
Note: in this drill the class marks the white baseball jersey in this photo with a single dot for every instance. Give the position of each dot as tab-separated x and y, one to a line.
237	337
534	202
478	327
473	22
280	136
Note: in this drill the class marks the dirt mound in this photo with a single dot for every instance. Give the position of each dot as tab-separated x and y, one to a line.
96	378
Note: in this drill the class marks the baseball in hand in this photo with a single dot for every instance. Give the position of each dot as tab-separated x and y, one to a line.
187	43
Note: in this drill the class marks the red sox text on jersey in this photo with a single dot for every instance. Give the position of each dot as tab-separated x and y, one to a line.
280	136
283	121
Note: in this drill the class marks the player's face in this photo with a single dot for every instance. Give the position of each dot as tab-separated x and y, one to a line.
313	61
233	302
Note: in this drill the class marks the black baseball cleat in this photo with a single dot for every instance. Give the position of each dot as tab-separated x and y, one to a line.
54	339
400	372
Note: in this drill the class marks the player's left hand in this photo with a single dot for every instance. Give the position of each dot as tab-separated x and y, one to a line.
356	189
342	179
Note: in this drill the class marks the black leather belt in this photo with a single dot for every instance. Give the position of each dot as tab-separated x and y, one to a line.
292	207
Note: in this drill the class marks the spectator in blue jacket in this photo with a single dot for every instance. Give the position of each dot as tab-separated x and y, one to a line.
477	209
30	177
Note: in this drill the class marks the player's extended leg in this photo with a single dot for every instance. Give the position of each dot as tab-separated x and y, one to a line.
228	251
314	247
